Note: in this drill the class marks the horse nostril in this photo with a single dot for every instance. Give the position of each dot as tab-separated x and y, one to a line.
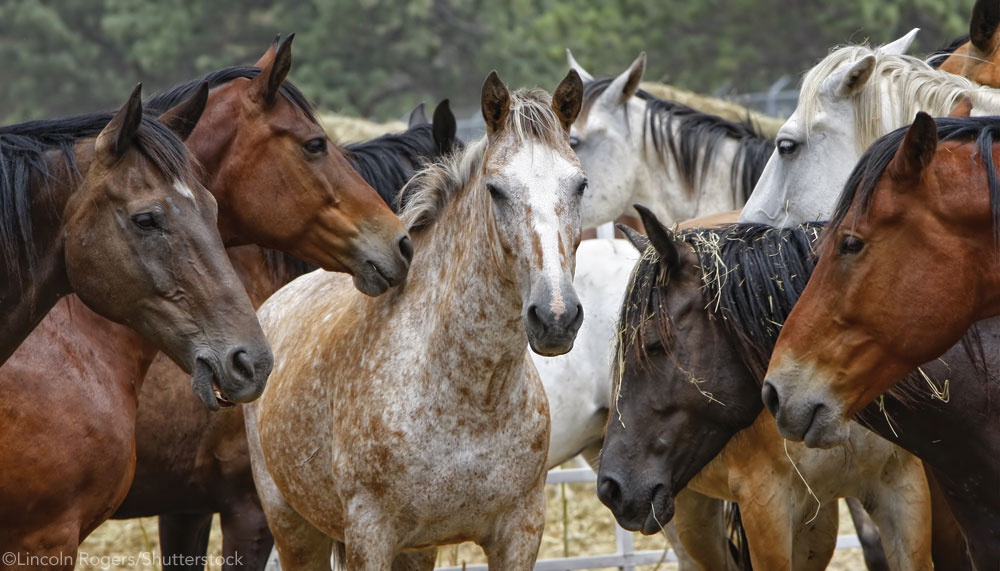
242	365
578	317
533	317
769	395
406	248
609	492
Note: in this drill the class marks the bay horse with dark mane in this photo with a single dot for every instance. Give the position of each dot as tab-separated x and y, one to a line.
875	308
191	463
278	180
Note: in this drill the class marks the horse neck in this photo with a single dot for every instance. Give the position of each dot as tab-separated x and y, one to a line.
461	290
660	181
24	302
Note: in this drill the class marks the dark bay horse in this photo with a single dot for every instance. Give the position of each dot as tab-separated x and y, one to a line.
140	227
107	206
697	323
192	464
269	130
929	192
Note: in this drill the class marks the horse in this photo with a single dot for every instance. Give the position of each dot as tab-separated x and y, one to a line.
681	162
687	413
100	205
849	99
833	358
975	56
133	235
88	473
191	464
441	429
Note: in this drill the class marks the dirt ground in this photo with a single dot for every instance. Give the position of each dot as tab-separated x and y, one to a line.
589	531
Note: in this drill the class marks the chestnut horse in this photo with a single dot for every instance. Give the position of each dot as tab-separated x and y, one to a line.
439	430
875	308
104	205
94	464
191	463
138	239
976	57
688	412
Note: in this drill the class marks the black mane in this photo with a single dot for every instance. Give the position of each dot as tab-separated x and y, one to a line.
693	137
937	57
860	187
388	162
23	149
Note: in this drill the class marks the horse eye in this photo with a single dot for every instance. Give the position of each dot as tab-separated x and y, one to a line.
316	146
495	192
582	187
145	221
574	141
787	147
851	245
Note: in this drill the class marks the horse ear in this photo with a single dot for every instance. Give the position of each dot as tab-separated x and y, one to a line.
264	87
963	109
116	138
182	118
573	64
444	127
495	103
625	85
417	116
900	46
567	99
660	237
268	56
982	27
847	83
916	150
638	240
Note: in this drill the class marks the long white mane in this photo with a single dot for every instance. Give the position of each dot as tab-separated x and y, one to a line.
913	85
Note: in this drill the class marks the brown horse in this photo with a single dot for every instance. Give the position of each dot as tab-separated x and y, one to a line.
978	58
141	228
908	264
88	473
192	463
106	205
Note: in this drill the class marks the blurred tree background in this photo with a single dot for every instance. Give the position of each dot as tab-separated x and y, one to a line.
377	58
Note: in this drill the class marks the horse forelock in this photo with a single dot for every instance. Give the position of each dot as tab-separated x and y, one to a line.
913	83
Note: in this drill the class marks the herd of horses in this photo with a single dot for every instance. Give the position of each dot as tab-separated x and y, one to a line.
372	351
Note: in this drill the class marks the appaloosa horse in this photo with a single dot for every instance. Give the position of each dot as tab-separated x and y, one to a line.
680	162
440	425
138	238
270	131
191	463
697	323
927	192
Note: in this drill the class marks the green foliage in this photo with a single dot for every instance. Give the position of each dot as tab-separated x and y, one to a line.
378	58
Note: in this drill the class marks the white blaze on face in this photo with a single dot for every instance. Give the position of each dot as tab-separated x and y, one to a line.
185	191
547	182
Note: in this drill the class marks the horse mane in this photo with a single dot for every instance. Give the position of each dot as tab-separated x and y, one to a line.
164	100
530	119
693	138
23	149
860	186
938	56
285	267
388	162
918	86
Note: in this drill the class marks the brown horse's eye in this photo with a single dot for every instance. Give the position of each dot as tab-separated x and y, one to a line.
145	221
316	146
851	245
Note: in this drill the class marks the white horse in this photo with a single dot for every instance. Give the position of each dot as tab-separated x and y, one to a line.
679	162
396	424
850	98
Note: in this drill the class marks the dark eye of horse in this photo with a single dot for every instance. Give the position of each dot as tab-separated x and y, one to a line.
316	146
582	187
495	192
787	147
574	141
851	245
145	221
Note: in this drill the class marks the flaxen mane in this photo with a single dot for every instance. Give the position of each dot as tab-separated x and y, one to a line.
531	119
692	139
916	85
